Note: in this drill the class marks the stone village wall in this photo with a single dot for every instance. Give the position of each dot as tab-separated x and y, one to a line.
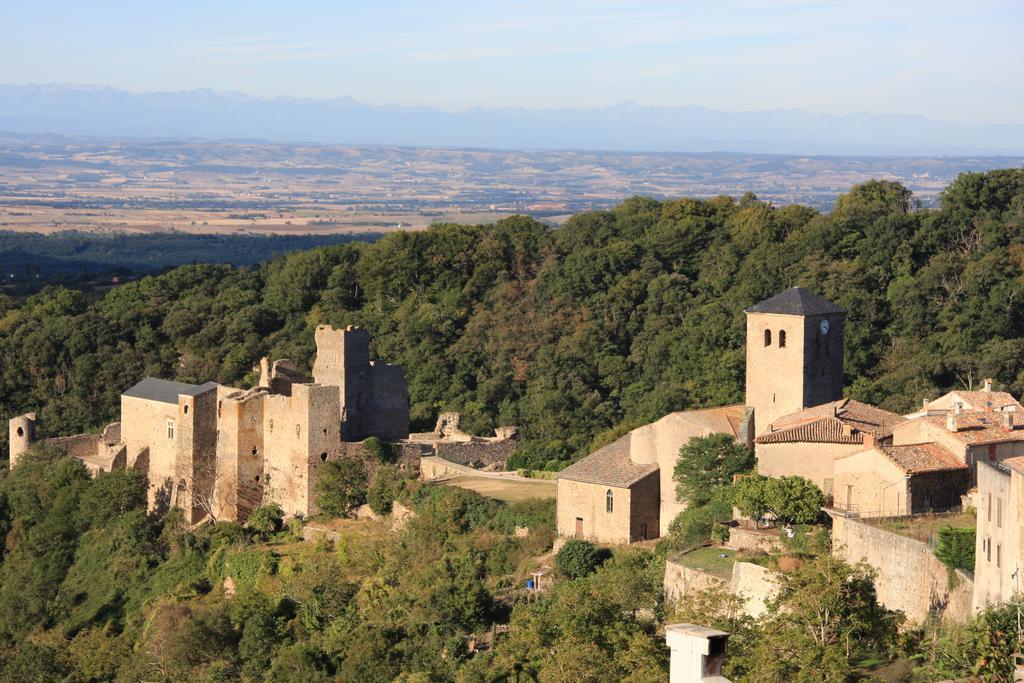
910	577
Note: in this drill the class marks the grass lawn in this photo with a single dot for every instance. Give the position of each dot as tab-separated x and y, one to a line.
508	490
925	527
717	561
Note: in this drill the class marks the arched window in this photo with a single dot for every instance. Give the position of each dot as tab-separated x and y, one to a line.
782	339
767	337
609	501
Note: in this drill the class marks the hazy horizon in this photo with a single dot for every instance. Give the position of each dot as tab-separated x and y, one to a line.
948	63
107	111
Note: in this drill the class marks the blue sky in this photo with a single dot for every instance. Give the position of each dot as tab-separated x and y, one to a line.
955	61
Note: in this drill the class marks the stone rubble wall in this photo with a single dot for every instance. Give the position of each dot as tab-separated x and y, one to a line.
748	539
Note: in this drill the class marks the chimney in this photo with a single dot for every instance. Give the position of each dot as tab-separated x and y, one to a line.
869	440
924	403
1008	421
986	384
958	408
951	421
697	653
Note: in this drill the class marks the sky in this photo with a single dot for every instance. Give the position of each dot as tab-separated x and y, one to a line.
954	61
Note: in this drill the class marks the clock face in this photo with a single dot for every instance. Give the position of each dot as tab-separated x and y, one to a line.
823	327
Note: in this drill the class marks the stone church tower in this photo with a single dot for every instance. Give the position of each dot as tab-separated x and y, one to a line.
794	354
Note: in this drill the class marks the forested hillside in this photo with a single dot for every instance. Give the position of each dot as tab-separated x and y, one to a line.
576	333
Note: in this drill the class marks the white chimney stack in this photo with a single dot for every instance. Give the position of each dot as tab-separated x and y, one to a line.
951	424
697	653
986	384
1008	421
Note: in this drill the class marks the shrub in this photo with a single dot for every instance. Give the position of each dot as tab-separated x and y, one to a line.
341	486
267	520
385	488
955	547
383	452
578	558
694	525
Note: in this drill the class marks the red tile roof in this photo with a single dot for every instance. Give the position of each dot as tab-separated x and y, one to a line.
922	457
843	422
979	427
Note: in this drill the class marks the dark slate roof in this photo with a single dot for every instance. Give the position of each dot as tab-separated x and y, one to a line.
166	391
608	466
796	301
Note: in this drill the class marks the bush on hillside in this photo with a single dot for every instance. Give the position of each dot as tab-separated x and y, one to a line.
578	558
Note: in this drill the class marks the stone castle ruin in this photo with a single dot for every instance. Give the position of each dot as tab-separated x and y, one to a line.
221	452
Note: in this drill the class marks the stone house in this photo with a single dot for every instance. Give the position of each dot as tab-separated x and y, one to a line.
883	480
808	443
971	435
1000	515
985	399
608	497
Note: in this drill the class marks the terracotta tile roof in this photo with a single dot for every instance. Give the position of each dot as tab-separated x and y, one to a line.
796	301
978	427
825	424
1015	463
922	457
825	430
987	399
609	465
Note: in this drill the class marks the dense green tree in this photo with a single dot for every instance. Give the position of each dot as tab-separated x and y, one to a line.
706	463
790	500
577	558
341	486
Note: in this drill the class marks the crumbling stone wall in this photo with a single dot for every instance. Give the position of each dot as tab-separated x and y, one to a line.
373	397
239	487
480	454
21	432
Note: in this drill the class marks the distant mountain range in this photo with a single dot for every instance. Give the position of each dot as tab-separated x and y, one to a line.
104	111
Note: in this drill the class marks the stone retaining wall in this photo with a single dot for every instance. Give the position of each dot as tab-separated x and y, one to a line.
746	538
910	577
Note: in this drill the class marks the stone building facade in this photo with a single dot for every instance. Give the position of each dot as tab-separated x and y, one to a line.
997	552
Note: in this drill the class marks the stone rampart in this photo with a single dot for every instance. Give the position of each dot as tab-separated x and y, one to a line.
910	577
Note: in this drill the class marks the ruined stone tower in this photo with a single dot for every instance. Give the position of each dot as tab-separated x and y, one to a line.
21	432
794	354
373	397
